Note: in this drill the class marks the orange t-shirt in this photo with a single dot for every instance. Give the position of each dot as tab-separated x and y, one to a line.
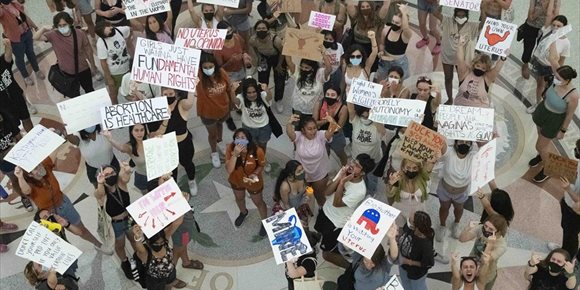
249	165
47	195
214	102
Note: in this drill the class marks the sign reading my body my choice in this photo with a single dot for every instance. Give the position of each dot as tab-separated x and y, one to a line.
166	65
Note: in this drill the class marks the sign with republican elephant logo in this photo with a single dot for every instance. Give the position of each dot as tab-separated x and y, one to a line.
367	226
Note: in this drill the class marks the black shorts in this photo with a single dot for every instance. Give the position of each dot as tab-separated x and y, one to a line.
329	232
16	105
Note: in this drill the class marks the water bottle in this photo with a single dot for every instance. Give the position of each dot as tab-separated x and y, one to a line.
263	65
134	269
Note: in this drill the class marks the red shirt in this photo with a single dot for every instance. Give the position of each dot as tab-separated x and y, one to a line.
10	23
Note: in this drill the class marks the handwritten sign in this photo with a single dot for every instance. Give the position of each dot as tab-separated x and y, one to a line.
303	44
139	8
166	65
393	284
398	112
161	155
44	247
465	123
544	45
473	5
285	6
200	38
225	3
287	237
321	20
367	226
483	166
363	93
496	37
34	147
421	143
158	208
139	112
561	166
83	112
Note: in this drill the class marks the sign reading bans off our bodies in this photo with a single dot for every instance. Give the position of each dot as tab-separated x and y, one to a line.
140	112
200	38
465	123
139	8
165	65
421	143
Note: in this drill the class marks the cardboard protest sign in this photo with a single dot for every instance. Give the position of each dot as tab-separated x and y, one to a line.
473	5
166	65
34	147
161	155
321	20
225	3
544	45
201	38
139	112
158	208
139	8
44	247
483	166
286	235
363	93
465	123
285	6
367	226
83	111
398	112
393	284
421	143
303	44
496	37
561	166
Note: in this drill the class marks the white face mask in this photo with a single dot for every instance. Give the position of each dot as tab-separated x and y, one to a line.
209	72
557	81
460	20
393	80
64	30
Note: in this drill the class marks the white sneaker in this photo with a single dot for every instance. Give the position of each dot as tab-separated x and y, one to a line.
531	109
552	246
215	160
102	249
440	233
193	187
455	231
268	167
279	107
441	259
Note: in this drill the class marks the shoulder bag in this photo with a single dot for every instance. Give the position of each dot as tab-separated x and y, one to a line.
64	83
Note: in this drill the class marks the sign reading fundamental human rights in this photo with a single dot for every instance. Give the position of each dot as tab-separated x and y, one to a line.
483	166
158	208
225	3
367	226
201	38
46	248
34	147
83	111
286	235
321	20
465	123
473	5
165	65
496	37
139	8
161	155
139	112
397	112
421	143
363	93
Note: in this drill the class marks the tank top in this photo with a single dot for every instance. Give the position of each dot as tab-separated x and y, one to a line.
160	268
295	199
176	122
361	76
106	7
325	108
117	201
139	161
398	47
472	92
554	103
214	23
474	287
428	119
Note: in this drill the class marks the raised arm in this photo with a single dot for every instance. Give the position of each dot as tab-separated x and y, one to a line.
407	31
549	14
462	66
351	111
468	232
24	186
290	127
7	50
39	34
139	248
239	11
194	16
532	266
124	148
455	271
374	52
384	11
492	75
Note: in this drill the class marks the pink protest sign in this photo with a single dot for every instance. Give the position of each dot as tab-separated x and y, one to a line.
321	20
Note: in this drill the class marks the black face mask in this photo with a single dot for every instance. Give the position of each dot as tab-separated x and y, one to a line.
6	2
112	180
395	27
170	100
462	149
208	16
330	101
330	44
229	36
477	72
306	72
486	233
555	268
156	248
328	1
411	174
576	153
262	34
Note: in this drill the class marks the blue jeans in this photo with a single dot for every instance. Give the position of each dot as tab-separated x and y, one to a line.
408	284
371	182
25	46
385	66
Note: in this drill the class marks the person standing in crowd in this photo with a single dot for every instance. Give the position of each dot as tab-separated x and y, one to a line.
18	28
240	19
554	114
407	188
416	251
155	29
428	8
111	11
374	273
68	6
209	18
334	51
393	44
393	86
469	272
86	10
304	266
429	93
365	21
357	65
499	202
556	271
113	54
244	164
335	7
332	105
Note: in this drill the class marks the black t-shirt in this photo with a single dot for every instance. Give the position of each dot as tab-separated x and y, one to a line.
8	85
542	280
308	262
8	129
417	249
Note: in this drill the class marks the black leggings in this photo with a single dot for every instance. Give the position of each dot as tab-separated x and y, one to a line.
530	35
279	77
175	10
186	151
570	227
86	80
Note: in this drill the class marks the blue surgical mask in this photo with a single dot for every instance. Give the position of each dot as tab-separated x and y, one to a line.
209	71
243	142
64	29
91	129
355	61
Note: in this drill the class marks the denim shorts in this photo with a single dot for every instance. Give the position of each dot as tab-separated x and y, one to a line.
85	7
540	69
210	122
260	135
423	5
120	227
140	181
445	196
68	211
386	65
338	142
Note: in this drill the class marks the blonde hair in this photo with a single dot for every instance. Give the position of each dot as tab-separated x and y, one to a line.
483	59
420	180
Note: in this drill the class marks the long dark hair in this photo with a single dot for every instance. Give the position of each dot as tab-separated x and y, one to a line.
148	32
205	80
311	78
371	21
251	147
249	83
85	135
502	204
363	52
133	141
422	222
289	170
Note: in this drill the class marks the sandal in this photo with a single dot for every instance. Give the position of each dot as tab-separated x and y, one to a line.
179	284
8	227
193	264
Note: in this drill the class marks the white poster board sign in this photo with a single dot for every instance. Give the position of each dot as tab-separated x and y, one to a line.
286	235
158	208
473	5
367	226
161	155
139	112
496	37
44	247
201	38
393	284
165	65
139	8
363	93
398	112
465	123
483	166
226	3
83	111
544	45
34	147
321	20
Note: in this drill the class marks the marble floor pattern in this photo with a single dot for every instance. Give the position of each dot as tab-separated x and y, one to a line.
239	259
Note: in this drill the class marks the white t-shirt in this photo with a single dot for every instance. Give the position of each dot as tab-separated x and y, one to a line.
96	153
354	194
562	48
115	51
254	116
148	90
457	171
365	139
335	56
303	99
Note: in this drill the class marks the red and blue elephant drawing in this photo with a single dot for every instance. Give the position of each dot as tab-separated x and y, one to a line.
371	219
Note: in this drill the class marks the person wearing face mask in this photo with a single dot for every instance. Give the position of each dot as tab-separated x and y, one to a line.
393	44
331	105
427	8
334	51
113	54
491	234
208	19
393	86
407	188
416	251
365	21
430	93
240	19
132	91
554	114
468	273
335	7
357	65
556	271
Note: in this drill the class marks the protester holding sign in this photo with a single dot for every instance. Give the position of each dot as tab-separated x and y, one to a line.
331	105
358	64
416	251
113	54
430	93
375	272
335	7
393	86
155	29
393	44
209	18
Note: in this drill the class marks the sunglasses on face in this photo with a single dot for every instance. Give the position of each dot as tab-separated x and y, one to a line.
424	79
356	56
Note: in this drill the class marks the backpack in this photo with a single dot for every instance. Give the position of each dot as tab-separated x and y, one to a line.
118	31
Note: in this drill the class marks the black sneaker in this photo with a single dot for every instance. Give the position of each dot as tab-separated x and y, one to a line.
27	204
262	231
535	161
540	177
231	124
126	267
240	219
